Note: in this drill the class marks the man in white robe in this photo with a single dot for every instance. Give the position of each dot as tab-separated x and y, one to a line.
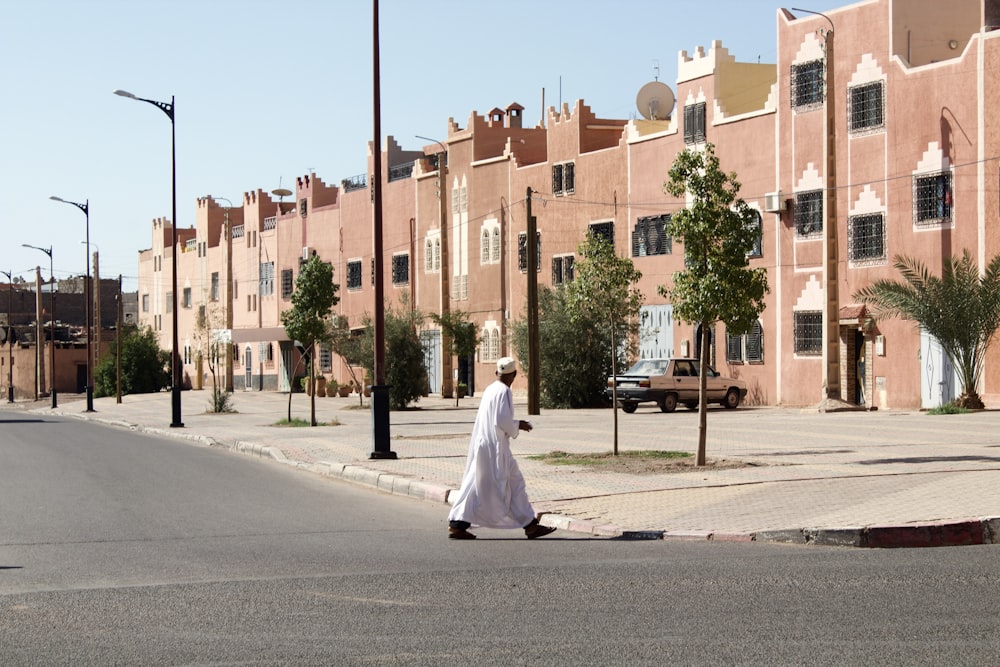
492	493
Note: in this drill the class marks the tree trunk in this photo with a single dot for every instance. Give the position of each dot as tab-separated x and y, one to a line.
702	403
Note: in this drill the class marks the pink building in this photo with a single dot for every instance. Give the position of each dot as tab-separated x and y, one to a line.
911	171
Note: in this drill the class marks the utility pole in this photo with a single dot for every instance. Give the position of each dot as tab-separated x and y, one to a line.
118	344
831	250
534	357
442	165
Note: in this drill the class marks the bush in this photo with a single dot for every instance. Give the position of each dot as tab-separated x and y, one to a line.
575	363
405	372
221	401
145	367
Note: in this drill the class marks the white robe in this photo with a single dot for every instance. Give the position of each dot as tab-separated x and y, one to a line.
493	492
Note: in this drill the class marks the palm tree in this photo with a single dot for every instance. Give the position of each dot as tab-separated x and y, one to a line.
961	310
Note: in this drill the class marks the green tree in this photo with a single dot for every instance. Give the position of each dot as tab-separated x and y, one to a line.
308	320
405	373
573	354
961	310
604	289
719	232
145	367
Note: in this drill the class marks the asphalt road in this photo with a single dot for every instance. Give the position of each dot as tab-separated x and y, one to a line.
120	548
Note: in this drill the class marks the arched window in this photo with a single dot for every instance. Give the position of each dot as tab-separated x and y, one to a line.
495	246
484	246
495	344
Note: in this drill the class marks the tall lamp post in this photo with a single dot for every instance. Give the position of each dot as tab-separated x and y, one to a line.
85	207
10	331
52	322
175	359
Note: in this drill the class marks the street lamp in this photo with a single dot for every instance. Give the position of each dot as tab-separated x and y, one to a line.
10	330
175	359
52	321
85	207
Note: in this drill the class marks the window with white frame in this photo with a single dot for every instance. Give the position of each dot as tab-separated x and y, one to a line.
747	348
866	108
932	199
489	242
694	123
266	278
809	214
489	343
401	269
354	275
807	332
807	85
432	253
484	246
495	245
650	236
866	238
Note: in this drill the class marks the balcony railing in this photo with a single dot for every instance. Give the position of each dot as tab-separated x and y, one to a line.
400	171
359	182
270	223
238	231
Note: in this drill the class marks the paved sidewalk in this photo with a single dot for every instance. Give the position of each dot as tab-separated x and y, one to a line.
877	479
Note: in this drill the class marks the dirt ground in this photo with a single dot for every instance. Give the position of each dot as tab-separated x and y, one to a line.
658	466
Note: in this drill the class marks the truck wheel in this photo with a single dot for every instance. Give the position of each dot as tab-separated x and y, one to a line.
732	399
629	407
668	403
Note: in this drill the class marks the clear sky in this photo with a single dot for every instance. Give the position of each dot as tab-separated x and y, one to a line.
270	90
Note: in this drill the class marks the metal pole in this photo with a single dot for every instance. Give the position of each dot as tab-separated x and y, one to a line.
534	356
831	249
446	384
175	358
10	333
52	329
118	344
88	295
52	323
380	392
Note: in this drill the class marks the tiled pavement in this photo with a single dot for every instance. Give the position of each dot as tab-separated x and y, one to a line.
883	478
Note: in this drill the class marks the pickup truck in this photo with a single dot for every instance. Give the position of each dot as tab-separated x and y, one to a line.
668	382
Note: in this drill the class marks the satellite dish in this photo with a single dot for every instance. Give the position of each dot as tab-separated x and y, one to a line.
655	101
281	192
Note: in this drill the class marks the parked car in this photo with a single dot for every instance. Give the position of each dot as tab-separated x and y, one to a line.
668	382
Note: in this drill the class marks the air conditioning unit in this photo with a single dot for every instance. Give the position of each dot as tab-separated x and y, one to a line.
773	203
306	251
